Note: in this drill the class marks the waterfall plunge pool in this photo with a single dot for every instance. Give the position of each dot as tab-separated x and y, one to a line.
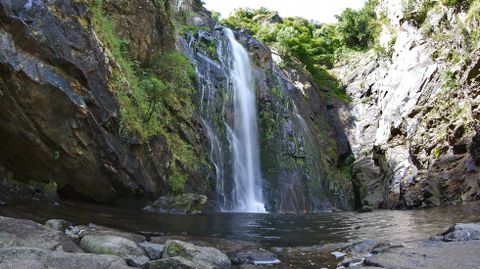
269	230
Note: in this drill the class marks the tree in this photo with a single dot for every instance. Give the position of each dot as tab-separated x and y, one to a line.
154	89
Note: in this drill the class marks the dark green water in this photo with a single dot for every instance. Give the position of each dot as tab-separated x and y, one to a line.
267	229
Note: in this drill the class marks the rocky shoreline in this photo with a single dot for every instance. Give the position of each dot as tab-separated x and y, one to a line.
60	244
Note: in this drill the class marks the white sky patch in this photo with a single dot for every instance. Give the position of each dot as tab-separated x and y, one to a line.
318	10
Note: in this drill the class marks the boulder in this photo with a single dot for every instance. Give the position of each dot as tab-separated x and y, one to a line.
186	204
368	182
153	251
26	233
354	255
57	224
35	258
79	231
462	232
365	247
136	261
109	244
207	256
256	257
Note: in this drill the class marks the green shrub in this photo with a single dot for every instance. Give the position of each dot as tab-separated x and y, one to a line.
416	10
154	100
460	4
359	29
314	45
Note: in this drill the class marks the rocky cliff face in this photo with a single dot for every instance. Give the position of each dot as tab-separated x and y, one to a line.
60	120
300	159
69	82
413	120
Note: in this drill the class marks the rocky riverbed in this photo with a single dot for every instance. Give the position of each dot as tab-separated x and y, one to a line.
61	244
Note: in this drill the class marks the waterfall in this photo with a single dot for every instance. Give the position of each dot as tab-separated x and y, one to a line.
247	192
229	117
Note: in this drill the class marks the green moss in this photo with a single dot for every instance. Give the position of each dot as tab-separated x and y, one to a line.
451	81
155	100
56	155
51	188
416	10
277	91
436	152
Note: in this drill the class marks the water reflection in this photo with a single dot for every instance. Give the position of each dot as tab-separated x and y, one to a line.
269	229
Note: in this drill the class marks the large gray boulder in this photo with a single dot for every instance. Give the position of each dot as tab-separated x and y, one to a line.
34	258
462	232
186	204
207	256
110	244
79	231
26	233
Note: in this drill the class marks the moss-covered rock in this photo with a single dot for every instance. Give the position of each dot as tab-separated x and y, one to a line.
206	256
185	204
105	136
109	244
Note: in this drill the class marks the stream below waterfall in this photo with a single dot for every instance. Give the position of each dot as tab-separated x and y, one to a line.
269	230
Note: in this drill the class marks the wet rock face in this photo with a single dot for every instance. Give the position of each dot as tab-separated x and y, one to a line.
411	122
151	23
61	118
296	132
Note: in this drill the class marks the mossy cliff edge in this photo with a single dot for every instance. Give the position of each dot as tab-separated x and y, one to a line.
89	103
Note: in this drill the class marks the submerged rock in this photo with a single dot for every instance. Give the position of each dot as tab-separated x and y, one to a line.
355	254
23	257
256	257
365	247
366	209
207	256
186	204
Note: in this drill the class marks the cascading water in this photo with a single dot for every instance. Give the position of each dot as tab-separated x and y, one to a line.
290	175
229	117
247	194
